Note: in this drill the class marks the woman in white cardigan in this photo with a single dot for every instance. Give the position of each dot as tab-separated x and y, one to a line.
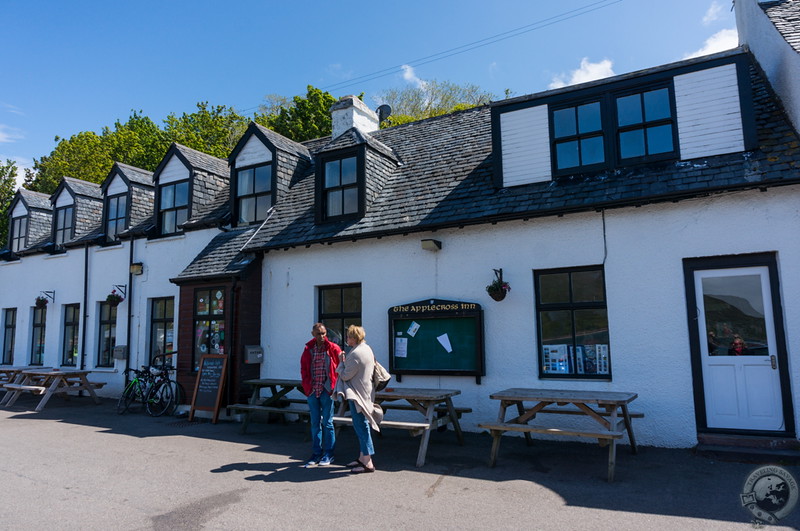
355	384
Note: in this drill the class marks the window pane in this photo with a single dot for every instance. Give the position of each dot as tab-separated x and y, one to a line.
589	118
631	144
182	194
331	300
351	299
169	309
587	286
567	154
334	202
263	179
348	170
332	174
350	200
158	309
564	122
556	327
262	206
591	338
112	208
554	288
167	196
201	330
201	302
656	105
122	206
217	302
244	185
247	210
659	139
168	222
217	337
592	150
336	329
181	215
629	110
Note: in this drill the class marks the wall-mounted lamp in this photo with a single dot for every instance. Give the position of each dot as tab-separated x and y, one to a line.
431	245
137	268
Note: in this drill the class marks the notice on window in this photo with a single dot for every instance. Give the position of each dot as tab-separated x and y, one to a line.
413	329
444	339
555	359
401	347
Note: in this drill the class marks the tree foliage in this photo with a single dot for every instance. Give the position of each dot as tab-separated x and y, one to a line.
8	187
431	98
304	118
211	129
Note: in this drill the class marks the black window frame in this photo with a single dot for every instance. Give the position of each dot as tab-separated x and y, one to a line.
238	197
322	191
72	334
9	333
38	330
610	128
18	237
176	209
572	306
60	232
337	321
107	219
107	322
211	319
158	346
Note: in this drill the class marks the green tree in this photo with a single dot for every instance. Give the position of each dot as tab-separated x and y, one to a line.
8	187
214	130
304	118
431	98
84	156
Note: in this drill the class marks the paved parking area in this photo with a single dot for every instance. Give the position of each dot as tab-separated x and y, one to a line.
81	466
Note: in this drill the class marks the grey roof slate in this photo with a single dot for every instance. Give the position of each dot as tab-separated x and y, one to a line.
83	188
446	179
36	199
785	14
283	143
222	257
136	175
354	137
202	161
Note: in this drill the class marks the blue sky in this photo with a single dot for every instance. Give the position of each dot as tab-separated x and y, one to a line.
80	65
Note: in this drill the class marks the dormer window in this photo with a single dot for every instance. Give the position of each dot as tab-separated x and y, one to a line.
116	216
63	225
613	129
173	206
253	193
340	189
19	233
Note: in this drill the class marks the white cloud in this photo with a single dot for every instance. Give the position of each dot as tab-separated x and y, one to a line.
713	14
21	165
410	76
587	72
9	134
13	109
721	40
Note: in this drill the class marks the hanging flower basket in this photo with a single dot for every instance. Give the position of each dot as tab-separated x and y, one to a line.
498	288
41	302
114	298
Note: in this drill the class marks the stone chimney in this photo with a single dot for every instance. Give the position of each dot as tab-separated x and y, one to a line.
352	112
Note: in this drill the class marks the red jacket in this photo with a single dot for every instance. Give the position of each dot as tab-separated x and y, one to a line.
305	364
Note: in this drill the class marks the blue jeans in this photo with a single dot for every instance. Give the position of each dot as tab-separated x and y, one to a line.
361	426
322	424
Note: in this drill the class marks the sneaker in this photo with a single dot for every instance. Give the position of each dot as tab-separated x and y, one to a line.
325	461
314	461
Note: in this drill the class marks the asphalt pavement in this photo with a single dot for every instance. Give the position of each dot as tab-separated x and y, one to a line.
77	465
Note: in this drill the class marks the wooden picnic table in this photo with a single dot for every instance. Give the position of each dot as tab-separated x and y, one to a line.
609	409
275	402
48	382
13	375
436	406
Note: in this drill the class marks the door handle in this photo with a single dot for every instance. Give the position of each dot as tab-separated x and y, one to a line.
773	362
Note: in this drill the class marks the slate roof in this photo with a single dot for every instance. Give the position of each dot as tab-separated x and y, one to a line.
204	162
446	179
353	137
36	199
82	188
785	14
283	143
136	175
222	257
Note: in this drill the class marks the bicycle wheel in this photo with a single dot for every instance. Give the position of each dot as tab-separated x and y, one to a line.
161	399
127	398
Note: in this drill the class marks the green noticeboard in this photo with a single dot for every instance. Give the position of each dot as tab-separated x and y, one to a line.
436	337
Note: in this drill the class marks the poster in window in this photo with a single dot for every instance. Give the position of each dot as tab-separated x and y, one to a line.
602	359
202	305
578	359
589	359
555	359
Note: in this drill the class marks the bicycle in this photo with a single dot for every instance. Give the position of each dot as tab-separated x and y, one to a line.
166	393
137	390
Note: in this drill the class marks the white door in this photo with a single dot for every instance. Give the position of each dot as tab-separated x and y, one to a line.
739	359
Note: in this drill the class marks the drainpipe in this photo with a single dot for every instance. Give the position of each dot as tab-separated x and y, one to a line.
85	302
130	311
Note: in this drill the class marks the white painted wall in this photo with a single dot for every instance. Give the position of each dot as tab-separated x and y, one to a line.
19	210
64	199
173	171
777	58
117	186
709	113
525	139
645	287
253	152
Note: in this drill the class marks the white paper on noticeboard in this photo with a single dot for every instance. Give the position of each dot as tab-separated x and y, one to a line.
401	347
444	339
412	330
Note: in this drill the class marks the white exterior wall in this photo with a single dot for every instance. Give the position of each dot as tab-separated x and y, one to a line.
253	152
777	58
64	199
173	171
644	283
19	210
116	187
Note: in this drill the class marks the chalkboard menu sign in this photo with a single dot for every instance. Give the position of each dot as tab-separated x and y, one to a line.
208	389
436	337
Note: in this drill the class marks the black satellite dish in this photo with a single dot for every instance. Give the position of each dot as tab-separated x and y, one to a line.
384	111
